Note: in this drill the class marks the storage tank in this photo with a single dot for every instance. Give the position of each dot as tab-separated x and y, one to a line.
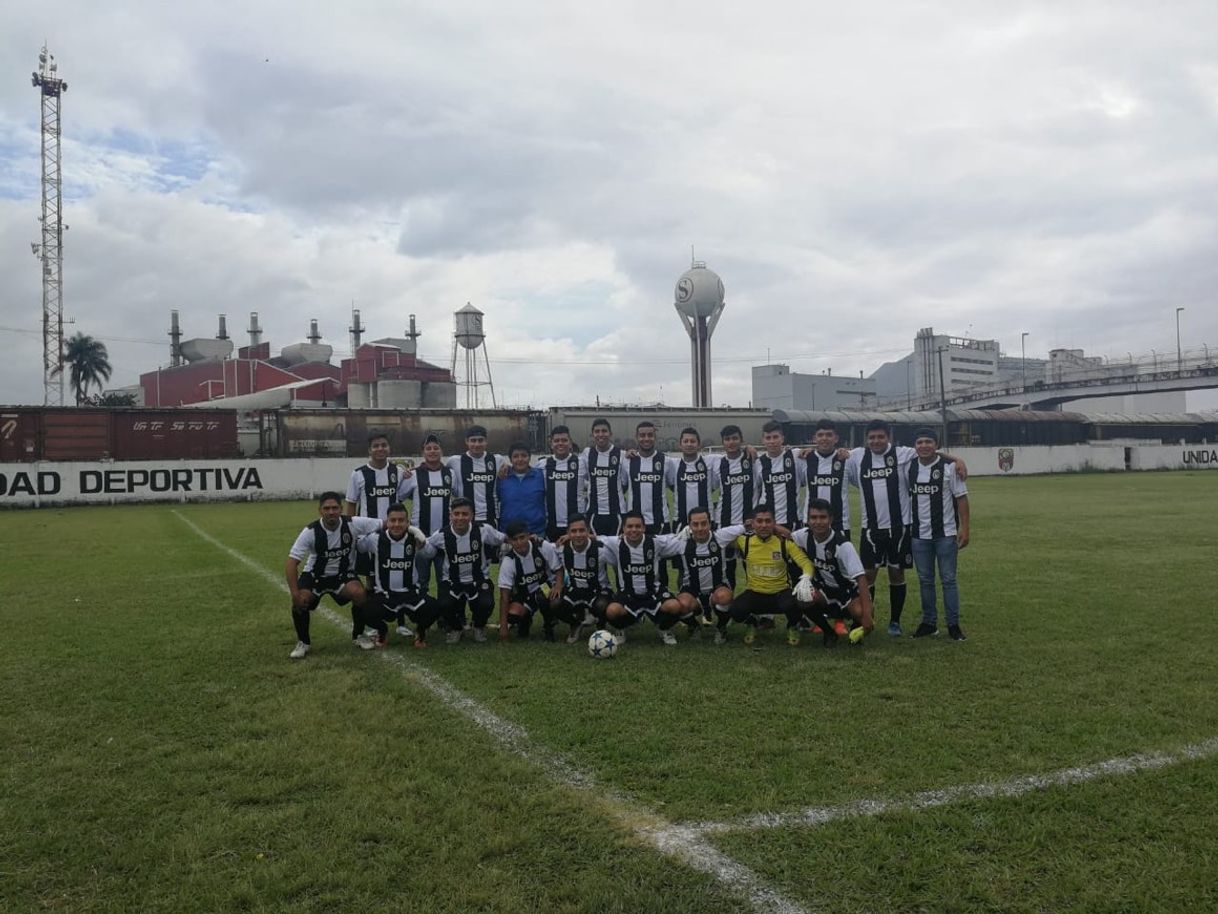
398	394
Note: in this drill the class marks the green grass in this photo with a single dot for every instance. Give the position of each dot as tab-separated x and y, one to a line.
160	753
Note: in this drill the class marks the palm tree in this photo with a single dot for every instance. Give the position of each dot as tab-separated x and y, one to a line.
88	363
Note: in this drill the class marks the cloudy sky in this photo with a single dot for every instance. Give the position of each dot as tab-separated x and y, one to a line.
852	171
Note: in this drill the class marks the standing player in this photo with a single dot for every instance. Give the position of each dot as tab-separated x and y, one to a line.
397	595
465	582
636	556
475	475
522	492
704	585
431	488
522	573
879	471
566	477
841	583
940	528
780	475
826	473
608	480
585	595
735	469
766	557
648	474
692	479
327	549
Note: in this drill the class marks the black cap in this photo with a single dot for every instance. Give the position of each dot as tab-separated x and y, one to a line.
927	432
433	438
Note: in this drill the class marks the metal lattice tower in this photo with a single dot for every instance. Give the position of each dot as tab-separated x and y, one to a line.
50	250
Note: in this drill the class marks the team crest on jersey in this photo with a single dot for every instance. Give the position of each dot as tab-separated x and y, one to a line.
837	465
787	463
613	460
776	555
891	461
1006	459
346	539
935	474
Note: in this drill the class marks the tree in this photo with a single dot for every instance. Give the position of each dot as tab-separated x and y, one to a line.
88	364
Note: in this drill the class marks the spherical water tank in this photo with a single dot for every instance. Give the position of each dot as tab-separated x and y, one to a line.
467	327
699	291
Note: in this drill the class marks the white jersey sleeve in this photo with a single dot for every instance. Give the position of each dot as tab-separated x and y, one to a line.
550	553
303	547
355	486
492	537
800	539
668	546
955	483
507	573
905	455
367	543
849	562
407	486
362	526
727	535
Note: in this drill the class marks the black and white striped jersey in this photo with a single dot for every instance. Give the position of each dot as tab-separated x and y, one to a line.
566	487
638	567
933	490
393	568
827	479
693	485
475	478
338	555
648	478
882	485
465	563
779	480
372	491
703	568
430	491
736	488
836	561
587	569
608	481
530	571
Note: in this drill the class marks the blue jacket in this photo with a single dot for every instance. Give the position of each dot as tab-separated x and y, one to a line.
523	498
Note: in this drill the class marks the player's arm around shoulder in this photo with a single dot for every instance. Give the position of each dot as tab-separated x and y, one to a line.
367	543
729	534
362	526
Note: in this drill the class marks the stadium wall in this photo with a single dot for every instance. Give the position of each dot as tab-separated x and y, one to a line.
53	483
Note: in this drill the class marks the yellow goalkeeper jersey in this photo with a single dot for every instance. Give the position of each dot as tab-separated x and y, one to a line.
765	562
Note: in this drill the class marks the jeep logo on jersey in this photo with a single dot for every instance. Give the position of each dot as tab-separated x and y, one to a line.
704	561
737	479
397	564
650	477
382	492
1006	459
482	477
877	473
685	289
780	477
562	475
437	492
465	558
925	488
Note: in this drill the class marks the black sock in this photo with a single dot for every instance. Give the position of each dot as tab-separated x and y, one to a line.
300	619
896	595
871	590
664	621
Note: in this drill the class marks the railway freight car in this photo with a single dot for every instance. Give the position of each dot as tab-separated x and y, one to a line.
345	432
668	421
34	433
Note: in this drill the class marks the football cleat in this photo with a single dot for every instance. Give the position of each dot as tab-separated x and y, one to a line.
299	651
956	633
926	630
793	636
405	632
857	635
894	629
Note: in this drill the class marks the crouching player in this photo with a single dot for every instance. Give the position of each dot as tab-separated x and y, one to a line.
327	547
523	570
585	593
397	595
636	557
840	581
465	580
766	556
704	583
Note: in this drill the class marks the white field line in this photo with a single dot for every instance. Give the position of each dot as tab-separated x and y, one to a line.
683	844
815	816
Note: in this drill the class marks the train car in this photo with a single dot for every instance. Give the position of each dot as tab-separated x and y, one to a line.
35	433
344	432
668	420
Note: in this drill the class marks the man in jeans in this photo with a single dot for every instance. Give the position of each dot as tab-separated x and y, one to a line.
939	526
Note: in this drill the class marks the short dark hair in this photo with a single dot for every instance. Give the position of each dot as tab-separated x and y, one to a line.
927	432
376	436
879	425
599	421
629	514
460	502
698	510
763	508
560	430
820	504
646	423
826	425
518	446
730	430
690	430
475	431
576	518
772	426
329	496
396	507
515	528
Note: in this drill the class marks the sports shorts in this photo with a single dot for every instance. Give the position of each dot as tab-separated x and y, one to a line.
886	547
330	584
638	604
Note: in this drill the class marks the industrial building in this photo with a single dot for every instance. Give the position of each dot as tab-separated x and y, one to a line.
777	387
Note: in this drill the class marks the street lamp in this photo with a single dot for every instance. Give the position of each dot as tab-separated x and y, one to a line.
1023	358
1179	352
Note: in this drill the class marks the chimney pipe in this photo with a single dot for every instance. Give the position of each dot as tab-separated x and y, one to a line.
357	330
222	333
175	341
255	331
314	337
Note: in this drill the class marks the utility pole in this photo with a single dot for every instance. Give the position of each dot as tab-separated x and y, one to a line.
50	250
1023	361
942	395
1179	351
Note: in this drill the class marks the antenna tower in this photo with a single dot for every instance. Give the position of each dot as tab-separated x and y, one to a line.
50	249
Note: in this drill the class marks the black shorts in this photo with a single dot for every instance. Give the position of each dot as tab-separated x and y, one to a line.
845	534
658	529
837	602
466	592
638	604
605	524
886	547
406	600
363	563
555	532
532	602
704	599
583	599
332	585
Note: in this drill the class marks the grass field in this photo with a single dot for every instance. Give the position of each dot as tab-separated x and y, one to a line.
161	753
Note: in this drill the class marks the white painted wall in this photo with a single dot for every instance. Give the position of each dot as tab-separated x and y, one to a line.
1174	457
1023	461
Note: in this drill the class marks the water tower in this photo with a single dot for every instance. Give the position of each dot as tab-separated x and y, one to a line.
469	339
699	302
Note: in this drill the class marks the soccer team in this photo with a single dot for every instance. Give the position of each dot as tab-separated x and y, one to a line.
775	518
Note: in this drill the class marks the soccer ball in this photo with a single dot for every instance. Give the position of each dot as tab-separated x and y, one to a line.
602	645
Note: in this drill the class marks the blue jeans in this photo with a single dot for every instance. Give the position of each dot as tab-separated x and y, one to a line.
926	553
